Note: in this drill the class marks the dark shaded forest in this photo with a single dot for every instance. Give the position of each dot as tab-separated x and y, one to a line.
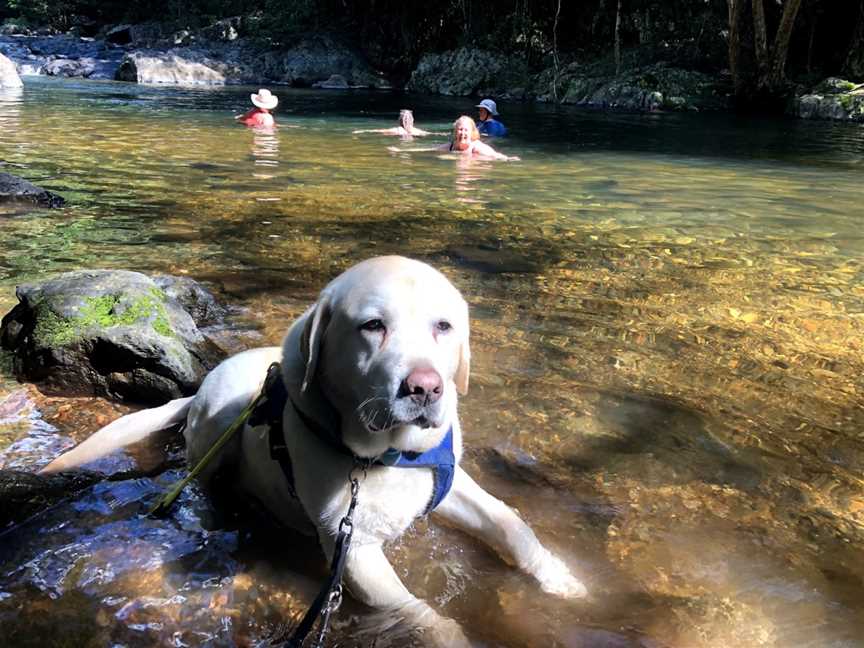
763	45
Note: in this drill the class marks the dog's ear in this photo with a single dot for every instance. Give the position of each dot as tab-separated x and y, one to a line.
463	369
313	336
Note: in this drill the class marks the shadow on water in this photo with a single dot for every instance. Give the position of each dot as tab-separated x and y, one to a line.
637	425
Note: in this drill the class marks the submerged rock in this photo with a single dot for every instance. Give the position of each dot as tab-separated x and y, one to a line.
8	74
23	494
15	189
109	333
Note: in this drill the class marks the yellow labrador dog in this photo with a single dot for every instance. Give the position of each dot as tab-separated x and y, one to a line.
377	362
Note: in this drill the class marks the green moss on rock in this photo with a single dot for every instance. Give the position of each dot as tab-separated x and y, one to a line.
102	312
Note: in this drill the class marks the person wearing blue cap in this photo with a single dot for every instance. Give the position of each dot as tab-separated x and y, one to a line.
487	124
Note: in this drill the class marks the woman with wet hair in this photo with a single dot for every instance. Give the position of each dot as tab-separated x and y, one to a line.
465	139
405	129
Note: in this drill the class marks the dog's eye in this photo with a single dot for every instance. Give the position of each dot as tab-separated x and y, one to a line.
443	326
373	325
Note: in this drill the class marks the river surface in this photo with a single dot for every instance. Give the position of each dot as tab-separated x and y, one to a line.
668	361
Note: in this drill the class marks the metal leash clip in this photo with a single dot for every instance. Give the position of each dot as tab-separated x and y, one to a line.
330	597
332	605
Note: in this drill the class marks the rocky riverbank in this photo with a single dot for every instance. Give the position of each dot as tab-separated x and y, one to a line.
226	53
217	55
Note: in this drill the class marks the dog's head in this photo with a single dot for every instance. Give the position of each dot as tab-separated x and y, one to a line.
387	344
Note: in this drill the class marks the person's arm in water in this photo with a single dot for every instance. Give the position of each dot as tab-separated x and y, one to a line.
484	150
419	132
245	115
383	131
419	149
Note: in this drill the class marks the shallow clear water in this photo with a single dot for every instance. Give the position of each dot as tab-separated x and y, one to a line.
667	317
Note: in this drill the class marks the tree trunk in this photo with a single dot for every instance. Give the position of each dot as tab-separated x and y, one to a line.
556	62
776	72
854	65
618	39
760	35
597	16
736	9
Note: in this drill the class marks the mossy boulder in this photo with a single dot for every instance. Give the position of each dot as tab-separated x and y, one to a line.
640	89
112	333
833	98
470	71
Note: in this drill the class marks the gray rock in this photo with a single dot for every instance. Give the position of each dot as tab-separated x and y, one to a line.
223	31
104	332
179	66
215	55
317	60
119	35
468	72
68	68
63	56
15	189
833	98
8	74
13	29
194	298
335	82
645	89
23	494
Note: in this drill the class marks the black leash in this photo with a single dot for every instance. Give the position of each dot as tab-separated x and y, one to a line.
330	597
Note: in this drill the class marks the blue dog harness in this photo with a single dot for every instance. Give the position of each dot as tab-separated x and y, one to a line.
440	459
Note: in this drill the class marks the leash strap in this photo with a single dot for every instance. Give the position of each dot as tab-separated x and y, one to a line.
161	508
330	596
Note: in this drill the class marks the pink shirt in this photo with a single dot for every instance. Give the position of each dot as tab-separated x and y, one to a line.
258	117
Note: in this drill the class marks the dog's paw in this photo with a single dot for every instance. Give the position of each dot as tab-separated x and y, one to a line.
446	633
555	578
438	631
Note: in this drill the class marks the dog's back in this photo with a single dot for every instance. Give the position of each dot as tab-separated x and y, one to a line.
223	395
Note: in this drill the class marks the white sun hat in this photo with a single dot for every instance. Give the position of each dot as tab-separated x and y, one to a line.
264	99
489	105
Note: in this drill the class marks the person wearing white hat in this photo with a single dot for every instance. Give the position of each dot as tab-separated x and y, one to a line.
487	124
264	101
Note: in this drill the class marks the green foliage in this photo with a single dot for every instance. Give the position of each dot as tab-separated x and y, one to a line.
281	21
395	34
100	313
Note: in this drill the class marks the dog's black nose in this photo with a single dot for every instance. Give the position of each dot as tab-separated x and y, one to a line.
423	385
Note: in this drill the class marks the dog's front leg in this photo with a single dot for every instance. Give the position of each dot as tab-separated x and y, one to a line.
471	508
371	579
